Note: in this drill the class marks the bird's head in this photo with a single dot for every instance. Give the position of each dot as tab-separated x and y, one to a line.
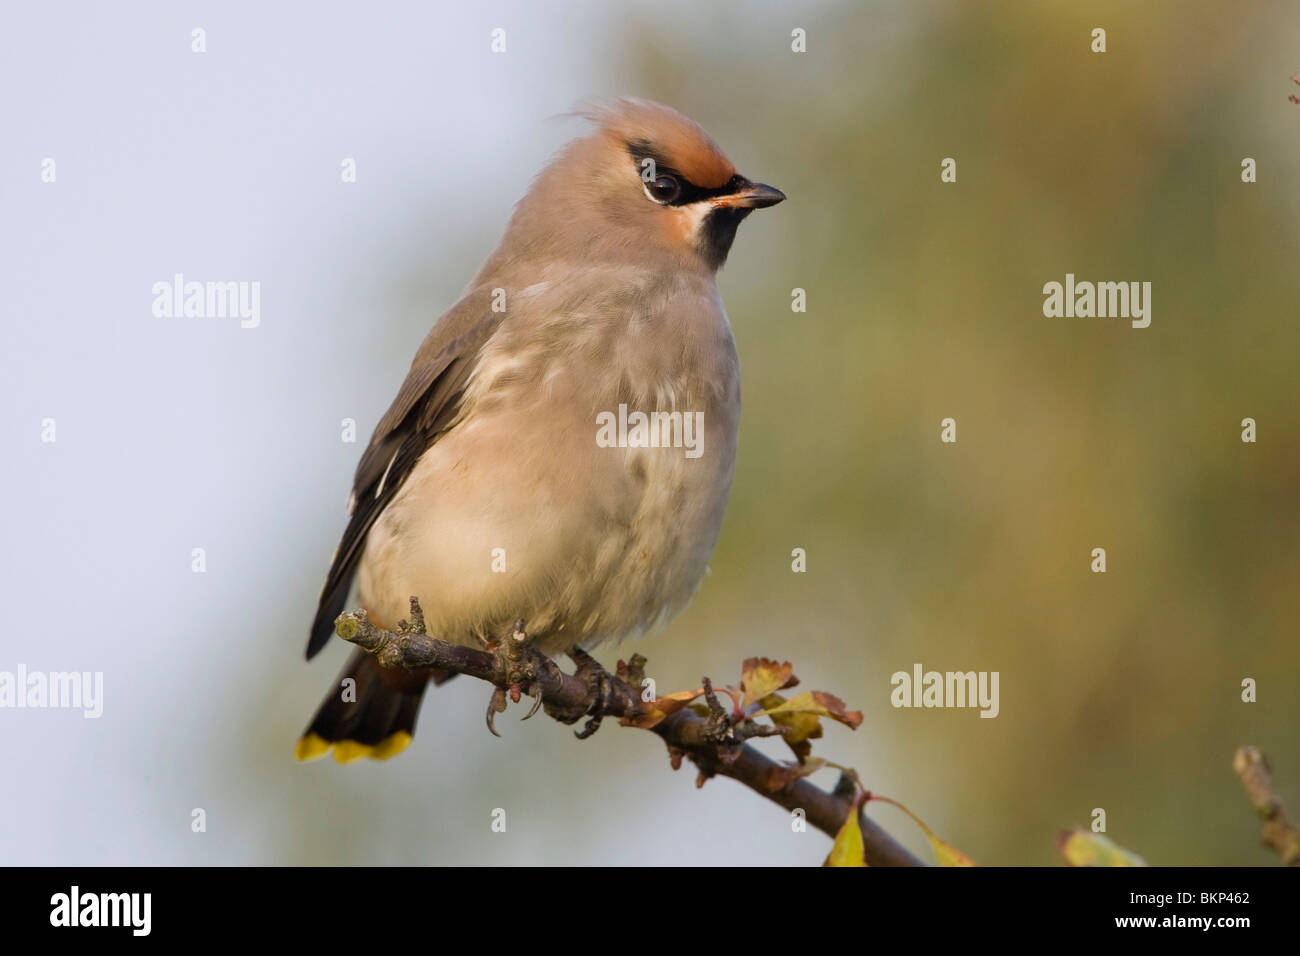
647	185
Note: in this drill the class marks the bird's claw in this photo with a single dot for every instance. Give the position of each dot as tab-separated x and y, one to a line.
519	667
536	693
519	671
496	705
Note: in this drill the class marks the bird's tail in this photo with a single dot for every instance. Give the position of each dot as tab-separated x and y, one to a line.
369	712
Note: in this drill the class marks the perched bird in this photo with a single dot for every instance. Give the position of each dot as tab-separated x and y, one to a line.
563	446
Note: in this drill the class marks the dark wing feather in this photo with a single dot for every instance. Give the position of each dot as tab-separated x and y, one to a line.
425	406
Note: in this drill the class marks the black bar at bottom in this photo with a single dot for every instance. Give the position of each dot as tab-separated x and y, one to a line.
332	905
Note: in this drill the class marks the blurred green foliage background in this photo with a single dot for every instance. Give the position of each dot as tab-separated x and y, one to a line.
1119	690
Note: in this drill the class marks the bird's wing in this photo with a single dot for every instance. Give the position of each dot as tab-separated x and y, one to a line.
426	404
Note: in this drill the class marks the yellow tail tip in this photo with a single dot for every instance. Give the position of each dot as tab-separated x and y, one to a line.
391	746
311	746
346	751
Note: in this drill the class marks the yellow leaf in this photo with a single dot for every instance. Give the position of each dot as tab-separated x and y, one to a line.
1083	848
847	850
803	727
949	855
817	702
760	676
945	853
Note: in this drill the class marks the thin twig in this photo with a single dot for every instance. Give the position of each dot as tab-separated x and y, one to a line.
1279	832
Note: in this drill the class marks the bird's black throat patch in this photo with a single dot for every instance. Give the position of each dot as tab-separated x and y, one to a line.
718	232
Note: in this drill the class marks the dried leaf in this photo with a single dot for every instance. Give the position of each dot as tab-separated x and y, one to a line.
801	749
782	776
659	708
820	703
1081	847
848	850
760	676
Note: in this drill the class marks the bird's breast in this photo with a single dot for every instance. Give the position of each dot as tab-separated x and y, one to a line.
583	486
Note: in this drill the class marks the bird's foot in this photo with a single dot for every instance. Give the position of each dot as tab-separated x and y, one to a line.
520	663
520	667
598	682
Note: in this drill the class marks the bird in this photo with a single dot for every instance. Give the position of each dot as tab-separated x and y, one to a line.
536	469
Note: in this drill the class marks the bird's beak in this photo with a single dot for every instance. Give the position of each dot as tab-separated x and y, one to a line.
751	196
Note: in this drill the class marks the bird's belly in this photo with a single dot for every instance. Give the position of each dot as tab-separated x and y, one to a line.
543	518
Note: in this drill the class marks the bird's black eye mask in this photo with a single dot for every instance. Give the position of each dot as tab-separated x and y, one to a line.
677	190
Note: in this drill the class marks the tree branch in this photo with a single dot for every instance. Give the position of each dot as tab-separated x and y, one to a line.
1279	832
715	744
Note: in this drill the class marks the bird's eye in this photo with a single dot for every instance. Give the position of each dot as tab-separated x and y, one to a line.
663	189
